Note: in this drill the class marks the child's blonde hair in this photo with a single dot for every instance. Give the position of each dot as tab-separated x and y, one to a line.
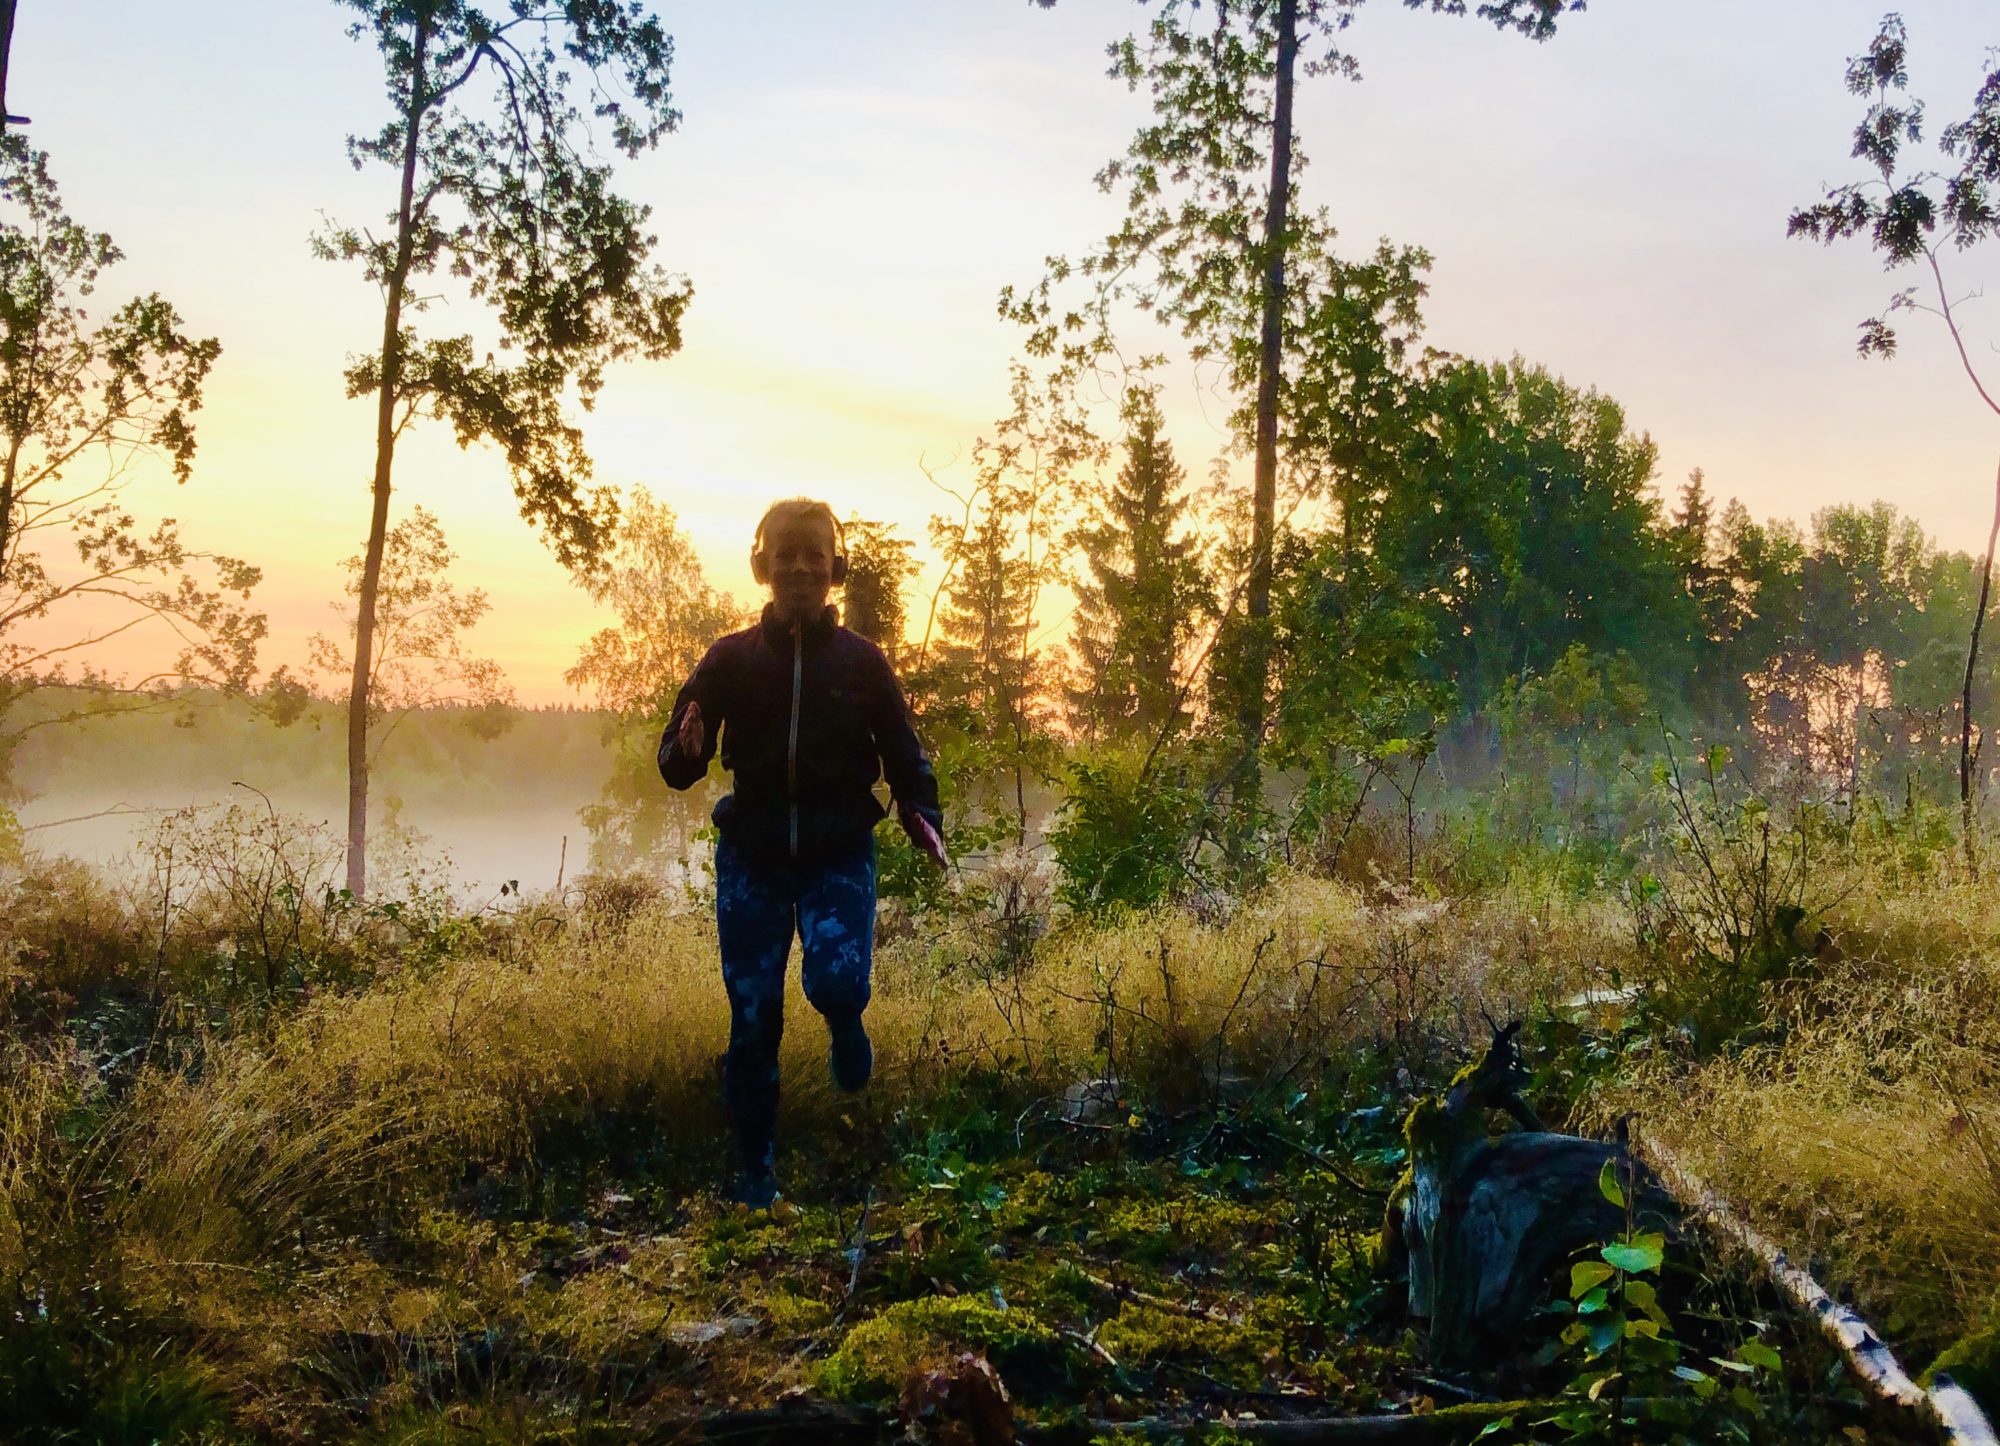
799	509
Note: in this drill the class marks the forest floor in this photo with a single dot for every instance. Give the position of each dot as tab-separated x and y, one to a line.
468	1186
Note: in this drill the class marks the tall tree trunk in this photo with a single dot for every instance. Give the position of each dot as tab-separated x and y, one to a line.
1965	706
1270	361
9	479
385	456
7	8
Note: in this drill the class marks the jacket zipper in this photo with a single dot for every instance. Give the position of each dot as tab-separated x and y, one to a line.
792	747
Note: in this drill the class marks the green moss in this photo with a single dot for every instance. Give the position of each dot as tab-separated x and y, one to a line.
1152	1232
1145	1335
792	1314
879	1354
1974	1363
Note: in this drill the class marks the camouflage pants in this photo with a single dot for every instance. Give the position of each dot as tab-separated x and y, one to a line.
830	905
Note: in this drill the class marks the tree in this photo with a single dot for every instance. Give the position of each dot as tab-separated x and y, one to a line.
1146	593
879	566
1522	523
668	614
1909	218
84	399
421	619
7	8
1005	549
498	189
1210	234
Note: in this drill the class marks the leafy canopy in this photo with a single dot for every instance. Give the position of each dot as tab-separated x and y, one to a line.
505	194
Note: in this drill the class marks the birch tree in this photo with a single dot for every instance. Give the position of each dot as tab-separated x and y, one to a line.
1916	217
93	398
501	193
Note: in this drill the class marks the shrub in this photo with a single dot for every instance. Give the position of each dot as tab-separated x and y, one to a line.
1127	836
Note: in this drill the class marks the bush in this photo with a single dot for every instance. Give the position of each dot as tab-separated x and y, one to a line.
1127	836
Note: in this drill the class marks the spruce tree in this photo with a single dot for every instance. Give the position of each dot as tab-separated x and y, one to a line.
879	566
1145	591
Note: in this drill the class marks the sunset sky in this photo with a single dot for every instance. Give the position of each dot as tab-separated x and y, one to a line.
853	184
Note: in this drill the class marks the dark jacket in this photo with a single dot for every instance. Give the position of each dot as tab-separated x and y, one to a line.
807	720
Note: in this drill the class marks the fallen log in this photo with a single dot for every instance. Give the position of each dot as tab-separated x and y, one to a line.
867	1426
1867	1354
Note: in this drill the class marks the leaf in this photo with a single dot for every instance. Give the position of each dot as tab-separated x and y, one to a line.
1634	1256
1594	1301
1494	1428
1758	1354
1597	1386
1586	1274
1607	1184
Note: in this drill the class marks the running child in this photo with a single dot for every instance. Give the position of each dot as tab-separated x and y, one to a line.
808	716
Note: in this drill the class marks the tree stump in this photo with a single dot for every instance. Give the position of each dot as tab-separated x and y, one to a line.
1484	1226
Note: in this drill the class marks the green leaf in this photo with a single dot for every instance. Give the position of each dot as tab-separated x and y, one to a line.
1585	1275
1758	1354
1594	1301
1494	1428
1633	1256
1608	1186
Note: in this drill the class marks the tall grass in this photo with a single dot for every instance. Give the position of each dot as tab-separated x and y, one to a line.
1863	1129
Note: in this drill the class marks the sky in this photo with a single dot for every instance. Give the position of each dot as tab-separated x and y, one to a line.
851	186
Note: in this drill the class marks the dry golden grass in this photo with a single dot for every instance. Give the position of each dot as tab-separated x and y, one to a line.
245	1204
1868	1135
382	1101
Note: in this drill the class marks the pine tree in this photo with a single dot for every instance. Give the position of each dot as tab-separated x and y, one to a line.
985	662
1146	589
878	567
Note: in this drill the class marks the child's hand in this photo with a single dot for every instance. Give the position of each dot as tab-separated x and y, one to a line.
923	835
691	734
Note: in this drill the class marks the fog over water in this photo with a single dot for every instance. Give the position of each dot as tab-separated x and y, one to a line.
482	810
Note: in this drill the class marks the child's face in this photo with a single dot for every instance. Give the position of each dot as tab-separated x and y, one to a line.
798	558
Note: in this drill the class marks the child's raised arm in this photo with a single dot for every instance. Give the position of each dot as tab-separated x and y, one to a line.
688	741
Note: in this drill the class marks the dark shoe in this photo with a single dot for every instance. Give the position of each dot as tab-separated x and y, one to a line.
755	1192
851	1057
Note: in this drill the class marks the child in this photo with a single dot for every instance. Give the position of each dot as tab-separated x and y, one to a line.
809	715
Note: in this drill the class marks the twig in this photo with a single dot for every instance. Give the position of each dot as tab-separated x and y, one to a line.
1126	1292
857	1252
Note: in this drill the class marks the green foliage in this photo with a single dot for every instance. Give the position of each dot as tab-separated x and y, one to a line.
1127	835
668	615
879	569
1146	594
97	393
421	619
505	195
1973	1361
1623	1345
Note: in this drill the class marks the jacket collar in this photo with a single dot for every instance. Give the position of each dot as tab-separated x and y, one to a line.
778	633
